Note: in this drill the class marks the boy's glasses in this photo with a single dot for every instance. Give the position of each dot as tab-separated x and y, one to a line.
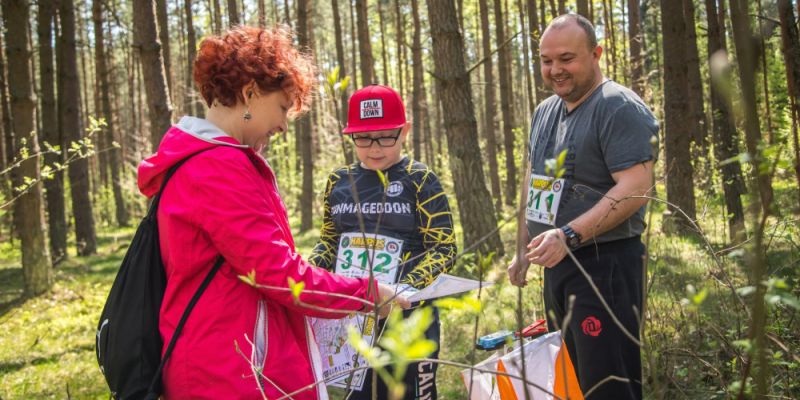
366	141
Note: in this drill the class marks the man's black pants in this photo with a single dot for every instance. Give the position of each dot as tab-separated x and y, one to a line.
597	346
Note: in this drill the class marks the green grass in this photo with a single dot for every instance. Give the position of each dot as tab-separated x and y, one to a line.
690	350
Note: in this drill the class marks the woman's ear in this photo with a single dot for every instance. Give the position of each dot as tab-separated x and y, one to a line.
248	91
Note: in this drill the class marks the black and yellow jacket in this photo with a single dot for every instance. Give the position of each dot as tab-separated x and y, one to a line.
411	206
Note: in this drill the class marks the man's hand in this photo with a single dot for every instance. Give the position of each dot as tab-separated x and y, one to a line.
548	248
385	293
517	272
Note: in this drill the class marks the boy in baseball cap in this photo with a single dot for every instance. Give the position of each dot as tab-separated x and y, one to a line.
408	225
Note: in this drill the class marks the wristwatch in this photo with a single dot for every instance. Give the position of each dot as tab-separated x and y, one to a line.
573	238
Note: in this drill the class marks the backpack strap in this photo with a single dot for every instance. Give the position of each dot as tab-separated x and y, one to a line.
157	378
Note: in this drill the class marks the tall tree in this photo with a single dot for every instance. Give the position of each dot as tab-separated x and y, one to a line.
146	41
490	106
535	31
461	128
192	101
163	35
262	14
416	95
583	7
304	128
680	174
364	45
696	115
526	62
385	64
5	109
401	47
233	13
353	47
506	101
121	209
635	47
725	140
72	132
54	187
217	16
28	213
745	45
791	54
337	25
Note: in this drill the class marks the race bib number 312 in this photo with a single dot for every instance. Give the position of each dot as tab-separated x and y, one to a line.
544	196
357	252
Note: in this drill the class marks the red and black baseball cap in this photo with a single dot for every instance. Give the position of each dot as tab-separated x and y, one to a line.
375	108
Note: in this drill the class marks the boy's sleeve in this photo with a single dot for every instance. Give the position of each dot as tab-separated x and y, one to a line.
324	253
436	227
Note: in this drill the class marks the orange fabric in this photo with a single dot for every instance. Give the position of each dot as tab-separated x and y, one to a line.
571	387
504	385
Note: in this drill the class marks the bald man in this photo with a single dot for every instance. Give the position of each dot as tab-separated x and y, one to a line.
594	210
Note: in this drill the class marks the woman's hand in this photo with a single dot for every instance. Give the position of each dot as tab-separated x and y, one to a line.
384	294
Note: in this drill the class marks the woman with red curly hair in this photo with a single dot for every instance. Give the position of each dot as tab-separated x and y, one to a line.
245	338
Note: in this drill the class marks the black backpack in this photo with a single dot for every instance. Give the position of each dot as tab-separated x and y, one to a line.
128	342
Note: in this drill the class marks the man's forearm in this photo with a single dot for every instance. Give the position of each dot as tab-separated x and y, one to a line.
615	207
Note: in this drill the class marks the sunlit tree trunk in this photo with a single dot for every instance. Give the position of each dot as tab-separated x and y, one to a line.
490	106
54	187
28	212
364	44
101	58
152	61
678	165
458	114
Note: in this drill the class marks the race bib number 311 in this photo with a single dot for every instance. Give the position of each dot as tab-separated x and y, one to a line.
544	196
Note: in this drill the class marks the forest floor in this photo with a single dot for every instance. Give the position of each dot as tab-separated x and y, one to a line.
693	345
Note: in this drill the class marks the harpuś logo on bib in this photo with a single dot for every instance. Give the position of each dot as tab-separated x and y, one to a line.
395	189
372	108
346	242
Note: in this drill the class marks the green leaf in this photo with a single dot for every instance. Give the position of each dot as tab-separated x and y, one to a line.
250	278
297	288
420	349
383	179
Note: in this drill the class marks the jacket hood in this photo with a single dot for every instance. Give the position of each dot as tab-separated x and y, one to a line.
189	136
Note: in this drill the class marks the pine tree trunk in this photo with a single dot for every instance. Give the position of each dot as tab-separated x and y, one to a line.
383	46
680	188
696	115
401	48
725	141
536	34
791	55
152	61
416	95
745	46
304	37
526	62
105	98
217	17
28	213
163	35
233	13
490	106
353	47
458	114
72	132
262	14
583	7
364	45
635	47
193	99
54	187
343	106
506	103
5	109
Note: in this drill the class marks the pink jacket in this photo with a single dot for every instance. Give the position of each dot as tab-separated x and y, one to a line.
225	201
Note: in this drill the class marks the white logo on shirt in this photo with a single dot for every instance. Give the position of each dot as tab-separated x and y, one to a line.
395	189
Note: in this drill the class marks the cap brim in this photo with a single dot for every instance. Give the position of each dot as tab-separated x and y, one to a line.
371	128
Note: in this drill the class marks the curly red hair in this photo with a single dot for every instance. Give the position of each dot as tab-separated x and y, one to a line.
226	63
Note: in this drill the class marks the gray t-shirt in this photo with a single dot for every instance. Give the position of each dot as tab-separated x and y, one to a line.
610	131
